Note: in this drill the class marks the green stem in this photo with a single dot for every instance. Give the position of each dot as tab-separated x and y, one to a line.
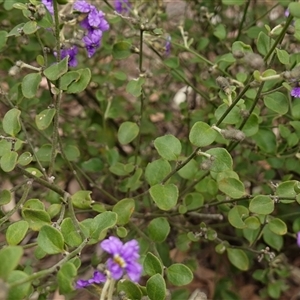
243	20
19	204
58	97
52	269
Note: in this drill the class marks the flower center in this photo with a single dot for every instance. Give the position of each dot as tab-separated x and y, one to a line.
120	261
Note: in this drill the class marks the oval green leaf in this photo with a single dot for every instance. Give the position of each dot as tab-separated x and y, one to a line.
156	287
158	229
16	232
202	134
168	147
179	274
165	196
261	204
50	240
232	187
30	84
44	118
124	210
11	122
127	132
8	161
238	258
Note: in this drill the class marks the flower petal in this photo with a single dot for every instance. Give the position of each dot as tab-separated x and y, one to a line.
112	245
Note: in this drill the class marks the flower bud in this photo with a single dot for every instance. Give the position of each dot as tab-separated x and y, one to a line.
13	71
255	61
223	83
233	134
238	54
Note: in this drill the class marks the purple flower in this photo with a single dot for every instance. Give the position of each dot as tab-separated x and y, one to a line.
49	5
71	52
97	278
82	6
298	238
122	6
92	42
287	12
295	92
168	46
124	258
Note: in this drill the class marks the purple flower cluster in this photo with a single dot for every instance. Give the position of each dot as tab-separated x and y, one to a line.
94	23
295	92
298	238
97	278
124	258
122	6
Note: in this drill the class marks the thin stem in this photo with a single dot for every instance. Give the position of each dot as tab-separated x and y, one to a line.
58	97
243	20
19	204
52	269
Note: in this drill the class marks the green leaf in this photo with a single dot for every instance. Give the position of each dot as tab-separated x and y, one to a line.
252	126
264	43
265	140
3	39
65	276
5	197
261	204
273	240
286	190
127	132
190	170
158	229
168	147
56	70
202	134
36	218
277	102
193	201
157	170
124	210
8	161
44	153
233	117
16	232
44	118
121	50
222	160
237	215
156	287
80	84
152	265
277	226
131	290
220	31
82	199
283	56
30	84
50	240
252	222
71	152
179	274
294	9
120	169
69	78
25	158
165	196
102	222
30	27
172	62
233	2
11	122
232	187
21	291
134	87
70	233
238	258
9	257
